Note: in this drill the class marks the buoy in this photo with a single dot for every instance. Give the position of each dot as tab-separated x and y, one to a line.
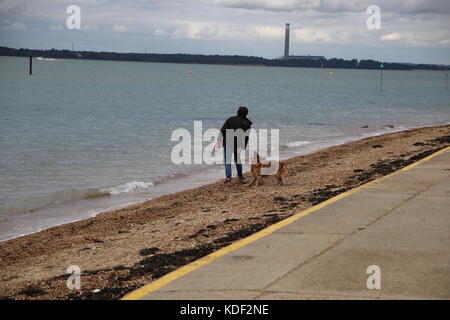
330	72
189	72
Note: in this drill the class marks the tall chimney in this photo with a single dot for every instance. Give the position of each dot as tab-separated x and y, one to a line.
286	41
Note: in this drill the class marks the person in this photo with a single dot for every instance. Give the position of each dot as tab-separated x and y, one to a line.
240	121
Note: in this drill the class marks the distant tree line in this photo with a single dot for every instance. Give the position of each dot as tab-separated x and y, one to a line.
217	59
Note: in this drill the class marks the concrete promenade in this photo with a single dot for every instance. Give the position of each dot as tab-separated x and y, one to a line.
400	223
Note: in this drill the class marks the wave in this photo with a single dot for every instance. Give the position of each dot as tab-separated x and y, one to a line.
128	187
76	194
45	59
294	144
72	195
135	186
37	203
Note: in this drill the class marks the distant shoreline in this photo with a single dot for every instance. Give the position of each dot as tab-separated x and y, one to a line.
234	60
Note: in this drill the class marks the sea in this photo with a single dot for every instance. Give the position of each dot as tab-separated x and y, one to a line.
79	137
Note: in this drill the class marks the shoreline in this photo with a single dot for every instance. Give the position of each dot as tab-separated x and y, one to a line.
91	207
391	66
135	244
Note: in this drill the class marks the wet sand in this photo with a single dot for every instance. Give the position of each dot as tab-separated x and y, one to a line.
121	250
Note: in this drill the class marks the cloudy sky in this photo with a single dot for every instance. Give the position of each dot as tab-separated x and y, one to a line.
411	30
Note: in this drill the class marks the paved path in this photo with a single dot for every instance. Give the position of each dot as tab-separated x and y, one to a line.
400	223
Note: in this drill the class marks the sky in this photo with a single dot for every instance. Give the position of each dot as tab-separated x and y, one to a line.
415	31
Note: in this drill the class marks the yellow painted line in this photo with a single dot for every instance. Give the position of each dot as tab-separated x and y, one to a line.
166	279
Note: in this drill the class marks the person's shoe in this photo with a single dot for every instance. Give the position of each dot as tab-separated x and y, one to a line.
227	180
242	180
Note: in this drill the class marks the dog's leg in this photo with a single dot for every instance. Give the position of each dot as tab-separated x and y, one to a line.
260	181
280	181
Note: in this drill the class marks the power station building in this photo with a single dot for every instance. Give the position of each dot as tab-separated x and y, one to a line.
286	48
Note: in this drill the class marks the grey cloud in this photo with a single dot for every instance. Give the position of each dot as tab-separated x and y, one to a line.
12	7
335	6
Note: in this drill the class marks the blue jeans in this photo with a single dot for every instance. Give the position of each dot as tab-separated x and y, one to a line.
237	161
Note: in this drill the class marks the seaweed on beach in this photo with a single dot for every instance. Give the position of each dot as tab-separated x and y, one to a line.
199	232
279	199
320	195
162	263
98	271
239	234
33	290
107	293
148	251
443	139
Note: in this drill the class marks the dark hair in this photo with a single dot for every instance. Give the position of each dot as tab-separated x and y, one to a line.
242	111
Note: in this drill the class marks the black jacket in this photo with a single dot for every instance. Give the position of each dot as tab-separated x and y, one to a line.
236	122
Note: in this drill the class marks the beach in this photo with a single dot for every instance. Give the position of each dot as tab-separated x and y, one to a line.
121	250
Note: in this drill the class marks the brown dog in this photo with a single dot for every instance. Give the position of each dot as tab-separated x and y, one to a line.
257	176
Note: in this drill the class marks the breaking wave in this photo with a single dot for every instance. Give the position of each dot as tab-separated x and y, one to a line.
294	144
129	187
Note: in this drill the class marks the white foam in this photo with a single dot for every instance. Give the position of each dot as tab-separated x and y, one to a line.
45	59
294	144
129	187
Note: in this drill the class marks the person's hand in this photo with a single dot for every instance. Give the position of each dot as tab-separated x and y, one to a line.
217	145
